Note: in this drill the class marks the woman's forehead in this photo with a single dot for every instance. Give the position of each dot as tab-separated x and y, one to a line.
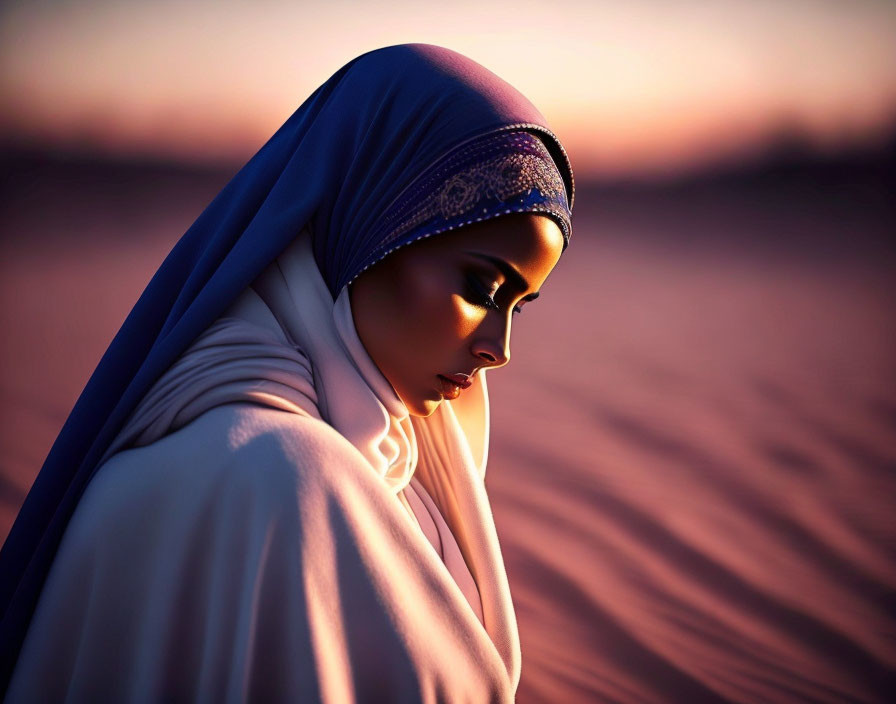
529	244
515	234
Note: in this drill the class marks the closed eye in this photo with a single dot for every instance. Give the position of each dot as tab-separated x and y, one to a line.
484	296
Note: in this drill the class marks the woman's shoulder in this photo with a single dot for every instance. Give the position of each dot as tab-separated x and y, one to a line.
241	446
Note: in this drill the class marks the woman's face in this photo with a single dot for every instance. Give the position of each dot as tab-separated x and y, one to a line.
442	307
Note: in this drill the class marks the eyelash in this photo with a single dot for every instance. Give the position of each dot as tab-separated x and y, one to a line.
482	293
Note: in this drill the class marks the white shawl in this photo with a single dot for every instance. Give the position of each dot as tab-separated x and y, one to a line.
241	552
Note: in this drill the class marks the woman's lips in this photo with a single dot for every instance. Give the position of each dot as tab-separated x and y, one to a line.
464	381
452	385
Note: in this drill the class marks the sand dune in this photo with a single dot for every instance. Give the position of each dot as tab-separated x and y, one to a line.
704	507
693	451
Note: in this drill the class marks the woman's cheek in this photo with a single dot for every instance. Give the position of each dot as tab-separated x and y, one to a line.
466	317
412	302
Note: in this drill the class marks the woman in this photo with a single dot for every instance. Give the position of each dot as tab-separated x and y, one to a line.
271	488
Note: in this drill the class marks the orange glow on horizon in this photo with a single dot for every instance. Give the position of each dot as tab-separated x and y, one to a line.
645	87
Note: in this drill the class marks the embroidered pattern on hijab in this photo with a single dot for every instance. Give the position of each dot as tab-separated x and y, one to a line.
496	174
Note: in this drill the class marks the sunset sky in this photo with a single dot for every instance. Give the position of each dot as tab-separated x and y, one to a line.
631	87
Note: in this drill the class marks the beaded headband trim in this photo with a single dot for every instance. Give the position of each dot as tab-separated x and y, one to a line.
496	174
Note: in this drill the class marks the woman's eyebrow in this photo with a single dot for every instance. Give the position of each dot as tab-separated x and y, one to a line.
514	277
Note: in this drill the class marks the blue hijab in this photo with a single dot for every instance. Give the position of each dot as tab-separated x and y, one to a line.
352	164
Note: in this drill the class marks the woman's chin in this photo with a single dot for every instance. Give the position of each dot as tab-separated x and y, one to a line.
423	407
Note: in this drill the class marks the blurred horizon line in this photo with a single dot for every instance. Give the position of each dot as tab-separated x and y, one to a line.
787	150
644	91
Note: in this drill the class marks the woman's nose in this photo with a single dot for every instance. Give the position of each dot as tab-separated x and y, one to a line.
492	343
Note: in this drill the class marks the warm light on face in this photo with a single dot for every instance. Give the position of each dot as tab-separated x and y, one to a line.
443	306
